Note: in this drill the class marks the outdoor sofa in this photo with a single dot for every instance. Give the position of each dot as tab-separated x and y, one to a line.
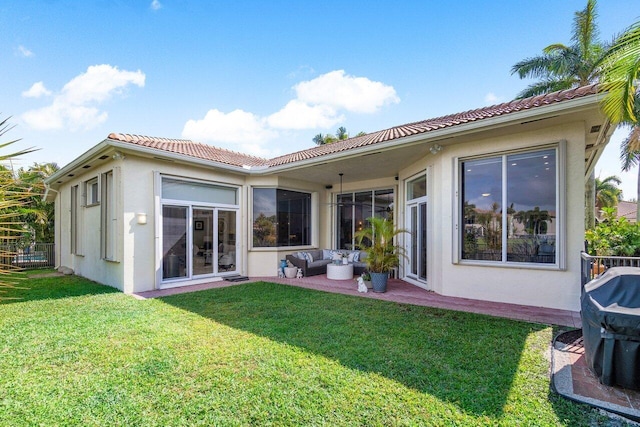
314	262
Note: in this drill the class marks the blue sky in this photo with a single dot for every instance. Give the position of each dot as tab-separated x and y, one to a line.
264	77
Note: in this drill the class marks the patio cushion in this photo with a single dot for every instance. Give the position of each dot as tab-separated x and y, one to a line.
319	263
307	256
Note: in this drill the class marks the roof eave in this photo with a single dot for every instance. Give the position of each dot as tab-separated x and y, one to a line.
108	144
518	117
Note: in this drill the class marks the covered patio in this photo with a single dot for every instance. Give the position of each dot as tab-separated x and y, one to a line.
401	292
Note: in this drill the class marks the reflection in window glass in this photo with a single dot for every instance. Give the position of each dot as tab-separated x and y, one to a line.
531	201
198	192
482	210
281	218
417	188
527	225
353	210
174	242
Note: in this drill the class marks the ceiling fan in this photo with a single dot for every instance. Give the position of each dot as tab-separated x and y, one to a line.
340	202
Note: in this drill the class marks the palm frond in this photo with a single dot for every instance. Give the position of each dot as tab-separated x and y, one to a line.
630	149
544	87
585	29
620	73
536	67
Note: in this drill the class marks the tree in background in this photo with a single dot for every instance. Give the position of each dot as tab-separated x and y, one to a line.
341	134
620	73
587	60
37	215
608	194
12	199
563	67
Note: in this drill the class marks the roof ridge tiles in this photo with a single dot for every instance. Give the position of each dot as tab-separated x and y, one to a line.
224	155
188	144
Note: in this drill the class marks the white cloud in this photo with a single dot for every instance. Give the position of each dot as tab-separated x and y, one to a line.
75	106
299	115
36	91
491	98
355	94
23	51
320	103
235	127
156	5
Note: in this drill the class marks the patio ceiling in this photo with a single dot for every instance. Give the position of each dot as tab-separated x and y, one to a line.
359	167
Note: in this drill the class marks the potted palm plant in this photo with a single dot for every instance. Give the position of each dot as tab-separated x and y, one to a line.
383	254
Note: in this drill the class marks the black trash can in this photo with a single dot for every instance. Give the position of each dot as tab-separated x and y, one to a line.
610	311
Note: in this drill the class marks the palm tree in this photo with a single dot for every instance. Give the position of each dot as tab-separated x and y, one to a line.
341	135
607	192
620	72
11	199
38	214
564	67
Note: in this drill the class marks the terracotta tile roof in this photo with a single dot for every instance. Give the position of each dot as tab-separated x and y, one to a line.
191	149
627	210
436	123
208	152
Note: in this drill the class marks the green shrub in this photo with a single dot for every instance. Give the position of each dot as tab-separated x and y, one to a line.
614	236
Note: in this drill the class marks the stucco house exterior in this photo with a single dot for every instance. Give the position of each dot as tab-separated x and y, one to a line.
493	197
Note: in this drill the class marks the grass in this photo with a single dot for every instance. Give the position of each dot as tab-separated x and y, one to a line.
76	353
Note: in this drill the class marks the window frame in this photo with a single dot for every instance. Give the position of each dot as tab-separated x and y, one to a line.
92	197
341	198
110	216
310	220
74	220
561	210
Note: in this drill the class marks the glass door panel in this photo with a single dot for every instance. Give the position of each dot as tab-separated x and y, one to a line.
423	241
417	251
203	241
174	242
413	257
226	241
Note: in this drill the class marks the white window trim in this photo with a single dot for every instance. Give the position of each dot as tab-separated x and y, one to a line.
110	217
88	193
314	212
561	214
159	202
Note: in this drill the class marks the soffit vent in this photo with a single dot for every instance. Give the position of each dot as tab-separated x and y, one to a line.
595	129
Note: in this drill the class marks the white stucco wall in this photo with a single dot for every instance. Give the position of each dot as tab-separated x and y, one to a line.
138	244
536	285
88	262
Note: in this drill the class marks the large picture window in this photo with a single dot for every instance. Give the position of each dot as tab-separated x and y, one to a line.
353	210
281	218
509	208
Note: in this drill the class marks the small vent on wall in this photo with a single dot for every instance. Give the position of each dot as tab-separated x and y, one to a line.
86	166
595	129
103	157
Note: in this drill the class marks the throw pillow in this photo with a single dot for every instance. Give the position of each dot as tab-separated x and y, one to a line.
307	256
336	256
350	256
326	254
356	256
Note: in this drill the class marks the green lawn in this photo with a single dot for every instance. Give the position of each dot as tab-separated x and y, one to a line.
76	353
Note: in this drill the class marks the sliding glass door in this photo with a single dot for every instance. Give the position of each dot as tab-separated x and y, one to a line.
174	242
199	230
416	247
